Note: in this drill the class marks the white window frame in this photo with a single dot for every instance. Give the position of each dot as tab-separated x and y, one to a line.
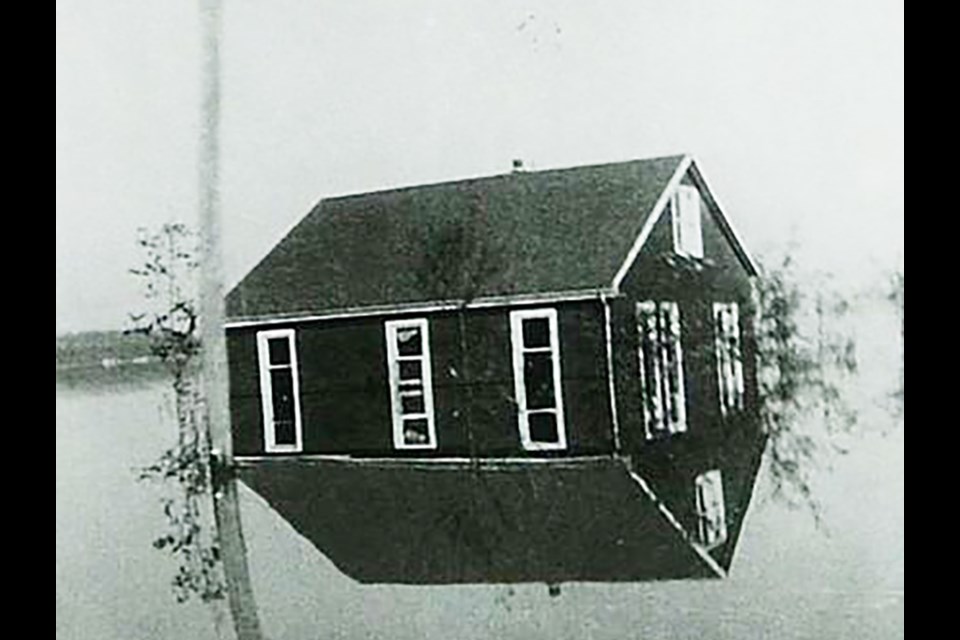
710	508
657	418
687	216
270	443
391	327
519	351
729	353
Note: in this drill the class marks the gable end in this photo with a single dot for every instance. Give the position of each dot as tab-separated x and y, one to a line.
686	168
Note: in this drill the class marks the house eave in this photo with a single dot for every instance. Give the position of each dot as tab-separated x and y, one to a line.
723	220
425	307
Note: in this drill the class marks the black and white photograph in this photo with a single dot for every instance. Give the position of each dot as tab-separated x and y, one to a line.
507	319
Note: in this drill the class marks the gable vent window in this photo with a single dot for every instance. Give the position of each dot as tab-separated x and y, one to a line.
536	375
726	327
279	390
711	514
661	368
411	387
687	231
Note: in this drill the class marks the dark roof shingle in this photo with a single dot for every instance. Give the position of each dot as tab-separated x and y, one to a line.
515	234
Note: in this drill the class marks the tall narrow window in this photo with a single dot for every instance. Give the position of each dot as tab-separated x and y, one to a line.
536	376
687	231
411	387
711	514
726	329
279	391
661	368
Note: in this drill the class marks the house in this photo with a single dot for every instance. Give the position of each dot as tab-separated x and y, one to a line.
538	376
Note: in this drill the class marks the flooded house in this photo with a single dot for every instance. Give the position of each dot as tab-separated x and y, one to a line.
540	376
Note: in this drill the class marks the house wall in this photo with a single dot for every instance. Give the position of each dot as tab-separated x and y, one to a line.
711	441
345	398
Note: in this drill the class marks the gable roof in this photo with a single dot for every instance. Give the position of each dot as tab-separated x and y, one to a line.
558	233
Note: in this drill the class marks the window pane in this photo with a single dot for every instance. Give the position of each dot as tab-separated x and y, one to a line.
536	332
673	398
538	380
409	341
281	387
415	431
653	384
284	432
412	404
279	350
411	370
543	427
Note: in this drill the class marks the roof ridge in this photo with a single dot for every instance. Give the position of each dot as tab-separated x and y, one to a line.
497	176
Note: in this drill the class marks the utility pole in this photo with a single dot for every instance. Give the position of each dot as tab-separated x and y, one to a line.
243	617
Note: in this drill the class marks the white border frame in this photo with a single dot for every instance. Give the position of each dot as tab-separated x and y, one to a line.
266	391
390	328
516	339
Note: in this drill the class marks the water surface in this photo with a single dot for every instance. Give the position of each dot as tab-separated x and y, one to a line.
789	580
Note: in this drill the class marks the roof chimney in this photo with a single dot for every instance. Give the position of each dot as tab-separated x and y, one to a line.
517	165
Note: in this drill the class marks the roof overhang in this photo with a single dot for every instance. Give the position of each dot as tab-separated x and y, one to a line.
725	225
430	306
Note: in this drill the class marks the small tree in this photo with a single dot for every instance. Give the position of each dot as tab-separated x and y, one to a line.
170	325
803	359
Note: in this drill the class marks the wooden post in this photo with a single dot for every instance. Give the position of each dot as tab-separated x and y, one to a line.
244	621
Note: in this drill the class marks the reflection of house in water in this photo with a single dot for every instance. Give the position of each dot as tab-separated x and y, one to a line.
539	376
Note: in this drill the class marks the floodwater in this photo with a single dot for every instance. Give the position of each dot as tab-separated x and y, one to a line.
789	580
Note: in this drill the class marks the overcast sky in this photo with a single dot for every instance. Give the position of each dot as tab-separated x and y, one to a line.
793	109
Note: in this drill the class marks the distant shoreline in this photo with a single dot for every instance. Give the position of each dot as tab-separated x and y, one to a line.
101	348
106	359
108	363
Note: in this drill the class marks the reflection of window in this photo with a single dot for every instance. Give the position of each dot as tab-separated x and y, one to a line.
726	329
661	368
536	375
411	389
687	232
279	390
711	515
